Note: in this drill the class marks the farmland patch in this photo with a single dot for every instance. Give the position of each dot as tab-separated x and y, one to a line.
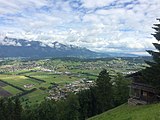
4	93
2	84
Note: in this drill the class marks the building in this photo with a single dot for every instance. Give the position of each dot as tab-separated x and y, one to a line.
141	93
28	85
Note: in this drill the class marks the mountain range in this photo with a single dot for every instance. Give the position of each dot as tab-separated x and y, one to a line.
12	47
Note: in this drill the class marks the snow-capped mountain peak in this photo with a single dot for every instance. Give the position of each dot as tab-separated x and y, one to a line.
12	47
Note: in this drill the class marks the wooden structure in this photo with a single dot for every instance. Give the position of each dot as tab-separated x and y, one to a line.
141	93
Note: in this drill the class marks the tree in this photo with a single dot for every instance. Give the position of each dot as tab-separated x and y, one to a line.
121	90
72	108
17	109
2	108
104	91
47	110
10	108
151	75
84	97
88	103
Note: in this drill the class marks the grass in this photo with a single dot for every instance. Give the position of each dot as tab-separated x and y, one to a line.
18	72
126	112
11	89
38	73
35	97
18	80
56	78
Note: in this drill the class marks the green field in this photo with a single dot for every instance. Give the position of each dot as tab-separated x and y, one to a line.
125	112
38	95
35	97
56	78
35	69
18	80
12	90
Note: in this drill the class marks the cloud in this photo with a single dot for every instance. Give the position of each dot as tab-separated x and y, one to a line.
95	4
101	25
14	6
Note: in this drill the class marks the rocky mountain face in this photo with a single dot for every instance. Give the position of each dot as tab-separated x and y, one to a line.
12	47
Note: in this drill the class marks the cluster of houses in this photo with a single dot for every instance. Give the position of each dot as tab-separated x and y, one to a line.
60	92
140	93
21	66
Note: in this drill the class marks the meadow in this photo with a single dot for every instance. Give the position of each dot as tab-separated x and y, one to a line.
126	112
42	74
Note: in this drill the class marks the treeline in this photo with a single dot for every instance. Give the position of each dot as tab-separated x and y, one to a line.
10	110
140	59
21	89
35	79
106	94
24	93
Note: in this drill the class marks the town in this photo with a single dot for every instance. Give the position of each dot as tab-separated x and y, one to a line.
55	78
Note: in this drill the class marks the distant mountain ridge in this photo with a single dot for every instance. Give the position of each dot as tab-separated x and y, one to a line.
12	47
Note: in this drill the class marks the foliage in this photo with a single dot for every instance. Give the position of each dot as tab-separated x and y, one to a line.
51	110
87	103
10	110
105	95
151	74
120	89
72	107
104	91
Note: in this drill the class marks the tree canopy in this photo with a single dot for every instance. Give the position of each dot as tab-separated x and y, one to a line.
151	75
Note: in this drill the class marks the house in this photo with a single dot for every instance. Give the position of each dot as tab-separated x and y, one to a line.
28	85
141	93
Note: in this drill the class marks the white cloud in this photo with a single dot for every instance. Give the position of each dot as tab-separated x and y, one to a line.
101	25
14	6
96	3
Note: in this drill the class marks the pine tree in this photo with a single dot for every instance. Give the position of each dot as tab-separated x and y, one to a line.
88	103
84	102
72	108
17	109
151	75
2	107
10	109
104	91
121	89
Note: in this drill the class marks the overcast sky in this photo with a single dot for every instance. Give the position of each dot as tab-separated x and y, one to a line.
99	25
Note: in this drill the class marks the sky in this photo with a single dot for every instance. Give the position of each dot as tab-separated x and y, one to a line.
99	25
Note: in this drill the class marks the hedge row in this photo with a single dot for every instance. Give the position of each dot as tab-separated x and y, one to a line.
36	79
24	93
12	85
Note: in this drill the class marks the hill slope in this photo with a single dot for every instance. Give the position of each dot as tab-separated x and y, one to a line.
125	112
